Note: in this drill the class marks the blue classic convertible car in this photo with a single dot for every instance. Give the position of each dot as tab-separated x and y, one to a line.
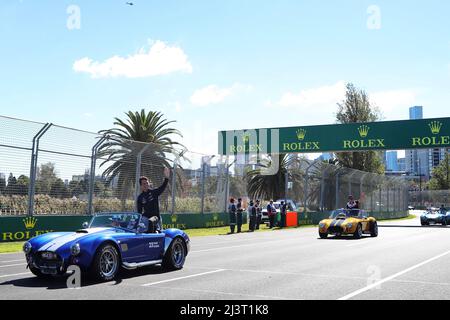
435	216
109	242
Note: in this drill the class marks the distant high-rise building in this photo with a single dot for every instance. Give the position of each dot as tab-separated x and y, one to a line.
416	113
435	158
391	161
401	163
417	161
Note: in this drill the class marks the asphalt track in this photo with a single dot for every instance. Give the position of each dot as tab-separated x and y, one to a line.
406	261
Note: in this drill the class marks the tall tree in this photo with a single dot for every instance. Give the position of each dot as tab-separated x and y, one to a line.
59	190
354	109
12	185
441	175
262	186
46	176
2	185
121	149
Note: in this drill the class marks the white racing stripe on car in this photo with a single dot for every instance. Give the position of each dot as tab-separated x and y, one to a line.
181	278
398	274
56	243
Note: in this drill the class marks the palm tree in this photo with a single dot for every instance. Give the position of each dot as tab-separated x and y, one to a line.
261	186
148	133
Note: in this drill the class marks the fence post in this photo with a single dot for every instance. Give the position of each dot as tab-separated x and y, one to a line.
202	210
322	188
387	198
337	190
138	174
33	167
305	189
92	174
174	174
379	200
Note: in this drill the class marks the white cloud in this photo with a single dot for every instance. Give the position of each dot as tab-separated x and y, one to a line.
321	96
159	60
394	103
213	94
319	105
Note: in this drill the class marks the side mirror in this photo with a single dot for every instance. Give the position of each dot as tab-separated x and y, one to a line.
85	225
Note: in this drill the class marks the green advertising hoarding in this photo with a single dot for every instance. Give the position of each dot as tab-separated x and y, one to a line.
21	228
383	135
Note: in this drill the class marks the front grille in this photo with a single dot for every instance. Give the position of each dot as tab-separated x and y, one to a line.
335	230
48	266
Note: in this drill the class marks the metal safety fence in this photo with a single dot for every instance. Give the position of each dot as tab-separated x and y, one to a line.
49	169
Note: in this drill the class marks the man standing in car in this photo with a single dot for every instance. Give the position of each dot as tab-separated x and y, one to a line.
148	200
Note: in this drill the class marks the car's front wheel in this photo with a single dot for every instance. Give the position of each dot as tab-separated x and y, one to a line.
323	235
175	255
106	263
424	223
358	233
374	229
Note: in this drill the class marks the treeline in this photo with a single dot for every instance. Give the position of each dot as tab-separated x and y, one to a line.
48	183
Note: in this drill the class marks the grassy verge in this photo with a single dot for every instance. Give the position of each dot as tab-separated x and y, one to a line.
11	247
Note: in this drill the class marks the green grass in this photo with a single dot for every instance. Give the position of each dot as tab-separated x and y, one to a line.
11	247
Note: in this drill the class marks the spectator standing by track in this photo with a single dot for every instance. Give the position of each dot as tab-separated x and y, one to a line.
272	213
232	214
252	216
258	214
240	209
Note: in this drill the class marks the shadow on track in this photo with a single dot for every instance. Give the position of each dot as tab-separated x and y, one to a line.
346	238
60	282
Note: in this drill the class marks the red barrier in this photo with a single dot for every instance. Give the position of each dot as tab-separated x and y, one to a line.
291	219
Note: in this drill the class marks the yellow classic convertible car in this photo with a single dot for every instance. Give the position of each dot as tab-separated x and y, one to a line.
348	222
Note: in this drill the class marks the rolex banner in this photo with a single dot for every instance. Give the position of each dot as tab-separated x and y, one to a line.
22	228
383	135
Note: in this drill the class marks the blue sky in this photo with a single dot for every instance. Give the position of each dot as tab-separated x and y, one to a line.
230	64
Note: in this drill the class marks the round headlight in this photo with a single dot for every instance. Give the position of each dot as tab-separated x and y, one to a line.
321	225
349	225
27	247
75	249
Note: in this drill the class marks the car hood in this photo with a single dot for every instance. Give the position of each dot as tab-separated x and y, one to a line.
433	215
338	222
55	240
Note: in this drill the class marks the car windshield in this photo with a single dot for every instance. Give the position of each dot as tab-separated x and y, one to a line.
346	212
116	220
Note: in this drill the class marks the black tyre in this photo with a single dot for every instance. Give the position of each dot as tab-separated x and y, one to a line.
358	233
374	229
323	235
106	263
424	223
175	256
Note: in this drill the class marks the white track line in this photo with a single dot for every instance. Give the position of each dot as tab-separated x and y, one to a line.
226	293
181	278
13	265
13	275
12	261
376	284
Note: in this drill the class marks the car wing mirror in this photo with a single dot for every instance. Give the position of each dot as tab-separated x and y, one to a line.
85	225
